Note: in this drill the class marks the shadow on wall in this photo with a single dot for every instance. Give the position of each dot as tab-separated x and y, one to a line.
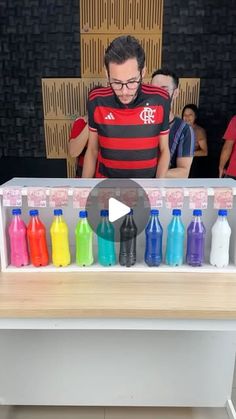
31	167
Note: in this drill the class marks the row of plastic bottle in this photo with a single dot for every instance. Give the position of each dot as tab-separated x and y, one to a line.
35	248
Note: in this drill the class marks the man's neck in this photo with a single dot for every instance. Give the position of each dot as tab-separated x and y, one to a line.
171	116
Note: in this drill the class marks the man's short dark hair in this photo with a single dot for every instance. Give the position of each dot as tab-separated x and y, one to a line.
167	72
122	49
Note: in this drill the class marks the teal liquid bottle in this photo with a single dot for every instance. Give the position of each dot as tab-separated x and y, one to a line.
106	236
175	240
84	241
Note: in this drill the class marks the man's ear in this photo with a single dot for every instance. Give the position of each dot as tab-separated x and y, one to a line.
143	72
106	73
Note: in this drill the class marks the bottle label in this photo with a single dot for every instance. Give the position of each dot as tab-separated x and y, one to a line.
155	197
223	198
174	198
37	197
198	198
80	196
12	197
58	197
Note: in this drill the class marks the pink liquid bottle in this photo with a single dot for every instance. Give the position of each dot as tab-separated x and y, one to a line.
18	241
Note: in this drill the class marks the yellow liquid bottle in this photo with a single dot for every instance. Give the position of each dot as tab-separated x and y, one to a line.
60	240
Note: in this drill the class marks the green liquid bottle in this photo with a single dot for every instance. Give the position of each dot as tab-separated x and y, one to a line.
84	241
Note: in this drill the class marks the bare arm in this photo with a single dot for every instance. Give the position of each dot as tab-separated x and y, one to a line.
225	155
90	158
202	143
182	169
164	160
76	145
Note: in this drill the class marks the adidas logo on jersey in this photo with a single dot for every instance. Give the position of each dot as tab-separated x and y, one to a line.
110	116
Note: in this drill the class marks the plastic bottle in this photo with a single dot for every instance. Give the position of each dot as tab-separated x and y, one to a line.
196	240
36	233
106	235
154	233
175	240
60	240
220	240
18	241
128	234
84	241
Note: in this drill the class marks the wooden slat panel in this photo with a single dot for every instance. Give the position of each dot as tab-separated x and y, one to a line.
66	98
121	16
189	90
71	166
58	105
56	137
92	64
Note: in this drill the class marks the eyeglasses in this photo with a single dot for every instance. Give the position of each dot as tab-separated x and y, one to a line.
131	85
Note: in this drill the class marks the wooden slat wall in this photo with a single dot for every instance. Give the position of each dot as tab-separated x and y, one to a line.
59	104
121	16
93	64
65	98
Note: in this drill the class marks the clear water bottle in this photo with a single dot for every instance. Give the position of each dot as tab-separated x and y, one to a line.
220	240
153	233
175	240
106	236
128	234
196	240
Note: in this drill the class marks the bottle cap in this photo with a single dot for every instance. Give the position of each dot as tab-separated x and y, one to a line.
33	212
197	212
222	212
83	214
104	213
154	212
16	211
176	212
57	211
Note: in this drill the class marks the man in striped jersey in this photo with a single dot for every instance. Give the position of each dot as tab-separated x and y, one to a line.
129	120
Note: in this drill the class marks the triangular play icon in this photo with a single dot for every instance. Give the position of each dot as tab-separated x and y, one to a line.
117	209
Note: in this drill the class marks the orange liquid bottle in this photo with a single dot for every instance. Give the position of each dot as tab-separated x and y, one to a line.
36	234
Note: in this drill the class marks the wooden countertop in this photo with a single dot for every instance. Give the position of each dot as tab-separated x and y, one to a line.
118	295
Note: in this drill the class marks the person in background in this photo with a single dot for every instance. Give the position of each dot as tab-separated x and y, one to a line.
228	152
128	120
181	135
78	142
190	115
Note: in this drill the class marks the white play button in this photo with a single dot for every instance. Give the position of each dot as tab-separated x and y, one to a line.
117	209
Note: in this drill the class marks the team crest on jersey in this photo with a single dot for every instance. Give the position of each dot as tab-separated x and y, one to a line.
147	115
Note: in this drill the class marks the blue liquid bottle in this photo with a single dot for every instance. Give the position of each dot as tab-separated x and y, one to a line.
175	240
106	236
154	233
196	240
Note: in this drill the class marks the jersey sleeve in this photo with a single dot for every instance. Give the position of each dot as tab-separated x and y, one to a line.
91	106
77	128
230	133
166	112
186	145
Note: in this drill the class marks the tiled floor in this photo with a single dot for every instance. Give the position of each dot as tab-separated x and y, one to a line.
109	413
35	412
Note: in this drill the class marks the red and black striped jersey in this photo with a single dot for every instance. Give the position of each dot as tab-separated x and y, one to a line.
128	135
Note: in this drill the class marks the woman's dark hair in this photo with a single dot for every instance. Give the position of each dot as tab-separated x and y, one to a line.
194	108
122	49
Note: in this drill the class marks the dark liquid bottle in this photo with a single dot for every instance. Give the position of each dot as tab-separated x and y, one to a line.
128	234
